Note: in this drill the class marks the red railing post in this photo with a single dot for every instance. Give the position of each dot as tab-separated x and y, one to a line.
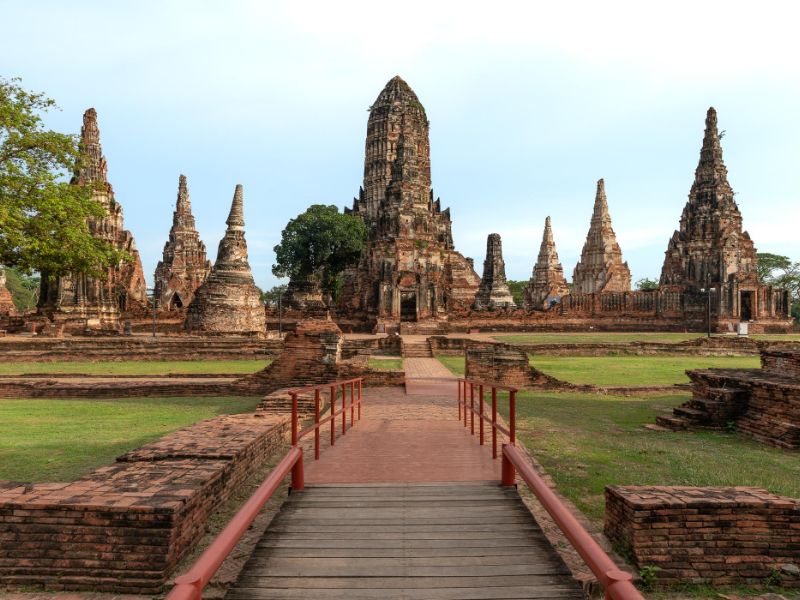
352	404
359	398
512	416
298	478
472	408
459	399
316	422
494	422
480	413
344	408
465	403
333	418
508	476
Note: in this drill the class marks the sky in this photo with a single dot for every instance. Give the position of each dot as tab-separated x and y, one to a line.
530	104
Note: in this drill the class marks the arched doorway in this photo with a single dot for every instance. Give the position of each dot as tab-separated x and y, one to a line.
175	302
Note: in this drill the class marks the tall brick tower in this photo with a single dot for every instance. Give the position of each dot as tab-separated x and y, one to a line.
600	268
97	301
547	284
410	270
184	266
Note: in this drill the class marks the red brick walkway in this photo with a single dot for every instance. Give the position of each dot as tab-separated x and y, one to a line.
406	438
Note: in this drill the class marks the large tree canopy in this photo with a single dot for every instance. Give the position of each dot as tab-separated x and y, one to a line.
780	271
318	245
43	219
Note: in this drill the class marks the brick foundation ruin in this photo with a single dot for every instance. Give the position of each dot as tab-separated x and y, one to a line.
124	528
714	535
504	364
763	403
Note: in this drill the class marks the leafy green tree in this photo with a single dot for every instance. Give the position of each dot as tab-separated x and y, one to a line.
43	219
270	297
769	263
318	245
646	284
516	288
24	289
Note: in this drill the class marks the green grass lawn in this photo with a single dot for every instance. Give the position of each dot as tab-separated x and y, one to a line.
610	337
635	370
588	441
386	364
136	367
622	370
60	440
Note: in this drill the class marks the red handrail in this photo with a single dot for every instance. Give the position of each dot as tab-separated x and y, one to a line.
190	585
617	583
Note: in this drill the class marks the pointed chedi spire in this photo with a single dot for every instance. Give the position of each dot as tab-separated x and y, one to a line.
184	266
493	291
228	301
92	167
600	268
547	282
236	217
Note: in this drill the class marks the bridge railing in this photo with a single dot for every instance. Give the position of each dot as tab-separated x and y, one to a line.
190	585
617	584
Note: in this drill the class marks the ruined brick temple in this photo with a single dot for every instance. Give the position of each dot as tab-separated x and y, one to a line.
547	284
229	302
83	300
184	266
493	291
6	301
410	269
710	250
600	268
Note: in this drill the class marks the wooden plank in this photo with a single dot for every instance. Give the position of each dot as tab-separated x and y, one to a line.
388	583
356	553
264	557
462	593
404	535
268	542
333	528
311	568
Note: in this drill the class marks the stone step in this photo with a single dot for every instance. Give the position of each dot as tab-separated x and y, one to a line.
690	413
672	422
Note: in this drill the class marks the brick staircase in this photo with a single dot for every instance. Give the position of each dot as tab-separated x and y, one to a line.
710	407
279	402
416	349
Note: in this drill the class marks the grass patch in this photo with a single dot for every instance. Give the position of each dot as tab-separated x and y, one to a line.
454	363
605	337
635	370
61	440
588	441
136	367
386	364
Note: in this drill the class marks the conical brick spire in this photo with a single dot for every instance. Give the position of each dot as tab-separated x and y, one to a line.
547	281
493	291
600	268
710	246
236	217
92	168
184	266
229	301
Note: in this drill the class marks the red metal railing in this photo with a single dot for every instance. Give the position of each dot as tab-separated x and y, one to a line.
190	585
617	584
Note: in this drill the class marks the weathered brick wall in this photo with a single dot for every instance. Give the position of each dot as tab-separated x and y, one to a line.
28	349
717	535
124	527
447	346
782	362
504	364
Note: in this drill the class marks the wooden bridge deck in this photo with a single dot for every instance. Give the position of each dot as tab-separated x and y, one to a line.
406	505
410	541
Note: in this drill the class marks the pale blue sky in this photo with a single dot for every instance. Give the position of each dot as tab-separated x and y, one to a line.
529	105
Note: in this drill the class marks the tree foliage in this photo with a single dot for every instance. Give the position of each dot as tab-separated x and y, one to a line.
318	245
781	272
646	284
769	263
516	288
24	289
43	219
270	297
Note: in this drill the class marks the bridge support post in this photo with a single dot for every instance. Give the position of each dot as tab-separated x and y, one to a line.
508	475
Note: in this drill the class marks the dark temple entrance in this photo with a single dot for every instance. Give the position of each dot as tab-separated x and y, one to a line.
746	304
175	303
408	306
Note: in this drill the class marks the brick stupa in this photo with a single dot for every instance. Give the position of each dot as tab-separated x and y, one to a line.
87	300
410	269
547	284
600	268
229	302
6	301
493	291
184	266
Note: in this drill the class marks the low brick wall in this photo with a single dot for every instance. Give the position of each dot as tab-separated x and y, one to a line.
503	364
783	362
717	535
124	527
87	386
